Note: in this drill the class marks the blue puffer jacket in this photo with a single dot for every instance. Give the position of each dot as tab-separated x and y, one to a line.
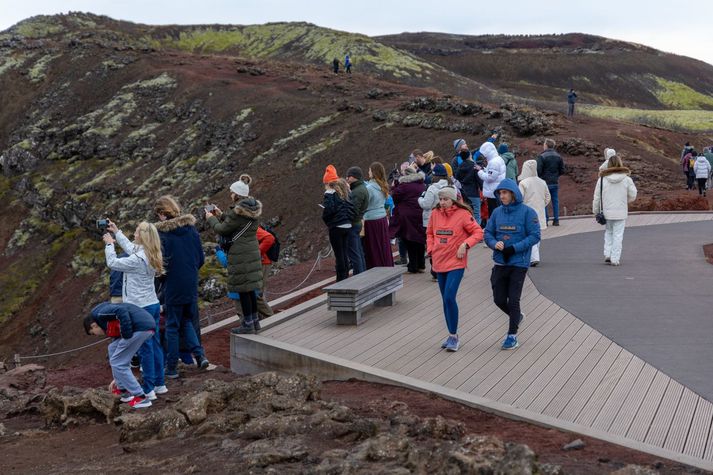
183	256
131	318
516	225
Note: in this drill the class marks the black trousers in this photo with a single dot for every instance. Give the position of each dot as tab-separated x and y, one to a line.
701	185
416	255
248	305
339	238
507	282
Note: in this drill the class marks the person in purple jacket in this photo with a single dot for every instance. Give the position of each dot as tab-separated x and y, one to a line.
409	222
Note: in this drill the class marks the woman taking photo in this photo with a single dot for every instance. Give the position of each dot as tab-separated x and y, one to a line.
377	250
612	195
143	263
451	231
337	214
239	226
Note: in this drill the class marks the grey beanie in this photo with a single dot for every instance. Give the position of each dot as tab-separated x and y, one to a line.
355	172
448	192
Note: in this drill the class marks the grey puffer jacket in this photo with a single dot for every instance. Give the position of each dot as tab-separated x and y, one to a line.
138	279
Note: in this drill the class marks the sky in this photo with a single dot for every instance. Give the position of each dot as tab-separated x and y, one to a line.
679	26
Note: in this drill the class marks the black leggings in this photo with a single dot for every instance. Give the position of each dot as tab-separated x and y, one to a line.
248	304
339	239
702	185
507	282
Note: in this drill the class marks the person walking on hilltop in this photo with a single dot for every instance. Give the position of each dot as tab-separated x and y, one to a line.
612	195
550	167
702	169
492	174
571	100
409	224
536	195
377	250
348	64
512	230
451	231
359	196
337	214
335	65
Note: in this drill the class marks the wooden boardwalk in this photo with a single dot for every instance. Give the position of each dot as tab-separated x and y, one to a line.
564	368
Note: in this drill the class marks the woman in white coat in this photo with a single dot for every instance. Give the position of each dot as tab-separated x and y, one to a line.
536	195
702	168
614	191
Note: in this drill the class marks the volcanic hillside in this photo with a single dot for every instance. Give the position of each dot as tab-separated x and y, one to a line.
100	117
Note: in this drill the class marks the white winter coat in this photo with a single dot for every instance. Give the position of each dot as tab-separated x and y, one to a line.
535	193
429	200
494	173
138	282
702	167
619	190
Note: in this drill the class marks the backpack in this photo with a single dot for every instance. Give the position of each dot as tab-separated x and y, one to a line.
274	252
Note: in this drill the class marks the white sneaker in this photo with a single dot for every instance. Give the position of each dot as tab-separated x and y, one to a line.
151	396
160	389
128	397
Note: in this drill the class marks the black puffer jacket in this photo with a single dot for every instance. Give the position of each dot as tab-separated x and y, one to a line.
468	178
550	166
336	210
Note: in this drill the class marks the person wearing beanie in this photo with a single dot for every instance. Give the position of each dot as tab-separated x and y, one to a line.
240	188
451	232
536	195
360	199
550	167
491	175
510	161
608	153
330	175
512	230
429	200
461	153
408	217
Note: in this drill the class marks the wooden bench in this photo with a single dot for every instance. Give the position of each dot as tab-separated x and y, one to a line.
350	296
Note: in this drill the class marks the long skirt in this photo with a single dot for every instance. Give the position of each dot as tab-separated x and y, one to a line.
377	249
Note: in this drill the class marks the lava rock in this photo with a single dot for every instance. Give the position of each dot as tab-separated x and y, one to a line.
577	444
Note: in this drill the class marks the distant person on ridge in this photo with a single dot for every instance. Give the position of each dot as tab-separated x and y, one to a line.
702	170
571	100
348	64
335	65
550	167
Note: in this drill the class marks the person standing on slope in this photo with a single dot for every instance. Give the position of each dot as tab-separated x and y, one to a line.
491	175
536	195
512	230
550	167
347	64
571	100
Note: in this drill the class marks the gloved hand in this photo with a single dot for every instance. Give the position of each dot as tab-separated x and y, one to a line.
507	252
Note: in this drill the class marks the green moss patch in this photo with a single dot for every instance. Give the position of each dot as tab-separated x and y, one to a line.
680	96
683	120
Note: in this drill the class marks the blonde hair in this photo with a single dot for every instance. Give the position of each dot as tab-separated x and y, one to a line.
341	187
615	162
167	206
149	239
379	174
428	156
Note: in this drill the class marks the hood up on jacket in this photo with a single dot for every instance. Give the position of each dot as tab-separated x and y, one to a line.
609	174
175	223
488	150
248	207
529	170
510	185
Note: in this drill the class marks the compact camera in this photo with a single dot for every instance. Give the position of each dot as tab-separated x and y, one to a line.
210	208
102	223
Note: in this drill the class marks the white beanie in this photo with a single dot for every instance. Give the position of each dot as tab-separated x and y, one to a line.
240	188
609	153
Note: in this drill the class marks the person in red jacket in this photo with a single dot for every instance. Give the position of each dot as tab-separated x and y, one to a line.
451	231
265	241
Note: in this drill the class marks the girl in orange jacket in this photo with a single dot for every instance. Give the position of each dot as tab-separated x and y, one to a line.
451	232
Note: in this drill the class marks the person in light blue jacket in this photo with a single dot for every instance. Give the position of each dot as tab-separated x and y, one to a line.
511	232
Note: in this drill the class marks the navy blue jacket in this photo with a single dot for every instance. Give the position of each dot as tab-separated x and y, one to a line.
516	225
116	280
183	256
336	211
131	318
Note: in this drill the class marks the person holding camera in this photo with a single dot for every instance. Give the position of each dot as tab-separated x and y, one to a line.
239	225
139	268
183	255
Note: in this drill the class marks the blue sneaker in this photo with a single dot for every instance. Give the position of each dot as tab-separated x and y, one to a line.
453	344
510	342
446	342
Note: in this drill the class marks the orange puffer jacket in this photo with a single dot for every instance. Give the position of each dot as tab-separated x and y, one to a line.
447	230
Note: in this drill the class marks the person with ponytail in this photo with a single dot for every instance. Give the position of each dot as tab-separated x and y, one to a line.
337	213
143	263
377	249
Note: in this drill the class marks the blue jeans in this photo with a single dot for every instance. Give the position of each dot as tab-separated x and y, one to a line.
355	251
554	193
475	203
151	354
448	283
179	320
121	350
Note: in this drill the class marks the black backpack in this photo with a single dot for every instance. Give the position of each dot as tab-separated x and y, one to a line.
274	252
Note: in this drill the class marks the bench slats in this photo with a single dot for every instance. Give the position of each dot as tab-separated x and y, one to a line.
375	286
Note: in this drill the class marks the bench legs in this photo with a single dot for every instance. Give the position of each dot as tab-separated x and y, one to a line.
349	318
385	301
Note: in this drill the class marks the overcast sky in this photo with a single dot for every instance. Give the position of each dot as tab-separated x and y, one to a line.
681	26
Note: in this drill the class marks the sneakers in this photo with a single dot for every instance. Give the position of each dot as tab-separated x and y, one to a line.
160	389
607	260
446	342
151	396
453	344
615	263
256	325
202	362
126	397
510	342
139	402
171	374
247	328
118	392
534	263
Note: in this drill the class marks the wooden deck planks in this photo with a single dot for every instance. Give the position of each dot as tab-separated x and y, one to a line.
649	407
658	429
619	395
633	401
698	435
600	395
681	423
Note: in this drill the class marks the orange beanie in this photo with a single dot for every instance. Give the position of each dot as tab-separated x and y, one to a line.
330	174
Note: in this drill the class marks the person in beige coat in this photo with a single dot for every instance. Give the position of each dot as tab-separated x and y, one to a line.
536	195
614	191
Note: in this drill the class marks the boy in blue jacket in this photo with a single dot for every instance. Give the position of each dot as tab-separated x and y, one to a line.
511	232
136	326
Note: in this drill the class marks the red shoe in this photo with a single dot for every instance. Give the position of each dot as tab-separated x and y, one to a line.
140	401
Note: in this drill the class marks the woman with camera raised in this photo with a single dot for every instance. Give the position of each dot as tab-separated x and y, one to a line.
143	263
239	225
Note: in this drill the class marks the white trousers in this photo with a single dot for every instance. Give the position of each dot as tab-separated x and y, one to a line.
613	237
535	254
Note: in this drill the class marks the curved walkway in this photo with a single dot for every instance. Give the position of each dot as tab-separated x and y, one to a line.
566	374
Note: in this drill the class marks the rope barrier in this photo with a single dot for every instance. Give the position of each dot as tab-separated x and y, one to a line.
33	357
314	266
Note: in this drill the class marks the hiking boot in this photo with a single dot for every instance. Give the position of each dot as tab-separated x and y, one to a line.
171	374
139	402
510	342
453	344
247	328
202	362
556	222
151	395
160	389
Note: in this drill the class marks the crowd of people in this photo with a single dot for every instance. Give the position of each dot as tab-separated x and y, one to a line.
697	168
